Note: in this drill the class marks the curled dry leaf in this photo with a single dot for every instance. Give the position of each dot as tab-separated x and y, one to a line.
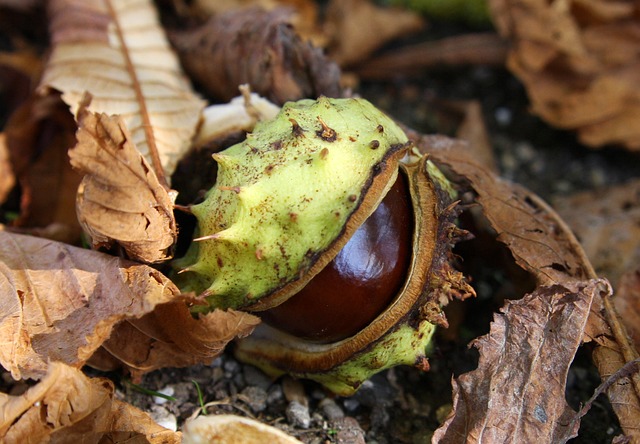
412	60
304	13
537	335
258	48
20	71
230	429
67	406
356	28
538	239
579	62
60	303
118	52
120	198
171	337
543	244
38	135
7	179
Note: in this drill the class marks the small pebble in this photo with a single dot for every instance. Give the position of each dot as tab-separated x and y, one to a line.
231	366
348	431
503	116
168	390
163	417
525	151
298	415
330	409
351	404
255	398
253	376
275	394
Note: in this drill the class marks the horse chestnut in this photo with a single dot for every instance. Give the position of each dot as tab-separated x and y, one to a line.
327	224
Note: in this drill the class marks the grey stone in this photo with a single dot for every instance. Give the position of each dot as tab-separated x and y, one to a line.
275	394
254	376
255	398
348	431
330	409
298	415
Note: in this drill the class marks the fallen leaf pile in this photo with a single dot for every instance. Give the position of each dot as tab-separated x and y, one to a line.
95	131
579	61
260	49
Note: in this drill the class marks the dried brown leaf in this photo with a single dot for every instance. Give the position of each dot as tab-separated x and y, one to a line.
412	60
19	73
230	429
356	28
60	303
120	198
38	135
7	179
607	223
171	337
627	302
118	52
579	62
542	243
539	240
517	392
304	13
66	407
258	48
623	395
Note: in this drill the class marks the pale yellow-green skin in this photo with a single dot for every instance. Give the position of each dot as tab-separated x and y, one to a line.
404	346
283	196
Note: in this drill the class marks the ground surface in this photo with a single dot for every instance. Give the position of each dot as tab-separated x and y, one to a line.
404	405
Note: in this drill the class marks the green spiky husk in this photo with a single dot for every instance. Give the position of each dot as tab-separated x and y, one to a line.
283	197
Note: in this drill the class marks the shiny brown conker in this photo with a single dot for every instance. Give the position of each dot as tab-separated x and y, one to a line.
360	282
